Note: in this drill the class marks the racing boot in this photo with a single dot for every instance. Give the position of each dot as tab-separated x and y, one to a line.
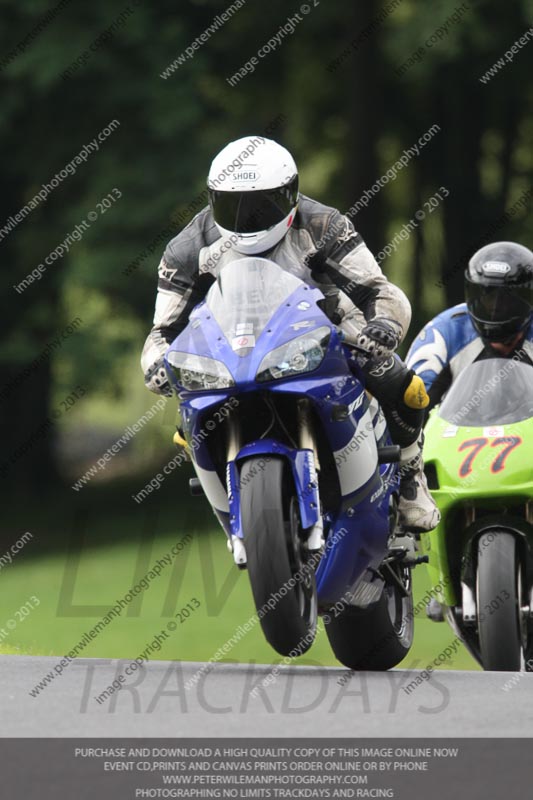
416	506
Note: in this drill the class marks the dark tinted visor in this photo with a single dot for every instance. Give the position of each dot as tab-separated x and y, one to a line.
498	303
251	212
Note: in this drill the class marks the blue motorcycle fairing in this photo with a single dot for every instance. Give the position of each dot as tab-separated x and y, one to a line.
332	399
340	406
355	551
362	531
204	336
303	472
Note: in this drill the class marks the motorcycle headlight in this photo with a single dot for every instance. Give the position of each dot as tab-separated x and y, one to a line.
300	355
199	373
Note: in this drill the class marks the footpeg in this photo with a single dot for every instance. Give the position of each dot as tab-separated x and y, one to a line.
434	611
389	454
404	548
195	487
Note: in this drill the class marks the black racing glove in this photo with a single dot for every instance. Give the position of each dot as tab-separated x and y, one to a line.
380	338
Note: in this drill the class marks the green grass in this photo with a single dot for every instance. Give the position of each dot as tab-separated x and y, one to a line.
115	552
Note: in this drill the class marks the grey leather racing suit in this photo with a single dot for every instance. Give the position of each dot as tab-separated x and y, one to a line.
195	256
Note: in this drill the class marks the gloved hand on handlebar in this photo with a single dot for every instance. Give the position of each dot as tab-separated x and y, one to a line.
157	381
380	338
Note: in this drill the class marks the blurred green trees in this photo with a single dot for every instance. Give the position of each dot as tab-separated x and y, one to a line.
346	126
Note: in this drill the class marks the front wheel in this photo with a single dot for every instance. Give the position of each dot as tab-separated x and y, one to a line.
498	587
283	587
379	637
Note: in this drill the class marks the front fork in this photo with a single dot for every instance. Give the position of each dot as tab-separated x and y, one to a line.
306	441
235	544
234	441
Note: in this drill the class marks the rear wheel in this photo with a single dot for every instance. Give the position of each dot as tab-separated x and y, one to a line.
283	586
498	587
379	637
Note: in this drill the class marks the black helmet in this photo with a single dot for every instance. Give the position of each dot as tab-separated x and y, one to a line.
499	290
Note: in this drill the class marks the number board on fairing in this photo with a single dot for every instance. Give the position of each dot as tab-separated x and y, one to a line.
506	444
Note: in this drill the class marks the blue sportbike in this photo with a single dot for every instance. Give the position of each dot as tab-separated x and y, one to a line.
297	463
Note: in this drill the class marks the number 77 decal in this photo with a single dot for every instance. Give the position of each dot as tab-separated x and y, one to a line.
509	443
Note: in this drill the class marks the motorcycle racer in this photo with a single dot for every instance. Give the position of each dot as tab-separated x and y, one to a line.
255	208
495	321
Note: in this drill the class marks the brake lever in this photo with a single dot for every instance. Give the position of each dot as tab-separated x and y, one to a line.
361	350
359	355
354	348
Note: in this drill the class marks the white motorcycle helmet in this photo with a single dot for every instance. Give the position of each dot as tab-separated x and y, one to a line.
253	193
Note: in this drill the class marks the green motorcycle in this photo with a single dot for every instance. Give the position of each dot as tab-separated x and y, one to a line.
477	461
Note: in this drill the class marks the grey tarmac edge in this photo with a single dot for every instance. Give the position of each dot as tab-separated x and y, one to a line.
190	699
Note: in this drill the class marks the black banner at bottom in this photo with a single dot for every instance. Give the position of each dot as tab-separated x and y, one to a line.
127	769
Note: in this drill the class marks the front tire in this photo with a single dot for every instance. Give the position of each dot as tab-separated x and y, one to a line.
498	602
379	637
275	553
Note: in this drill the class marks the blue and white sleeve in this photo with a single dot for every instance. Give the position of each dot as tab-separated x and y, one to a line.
428	355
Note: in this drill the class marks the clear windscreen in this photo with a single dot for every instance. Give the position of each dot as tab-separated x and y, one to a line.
245	296
494	391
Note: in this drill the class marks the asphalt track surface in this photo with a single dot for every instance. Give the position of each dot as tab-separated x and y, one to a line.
302	701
